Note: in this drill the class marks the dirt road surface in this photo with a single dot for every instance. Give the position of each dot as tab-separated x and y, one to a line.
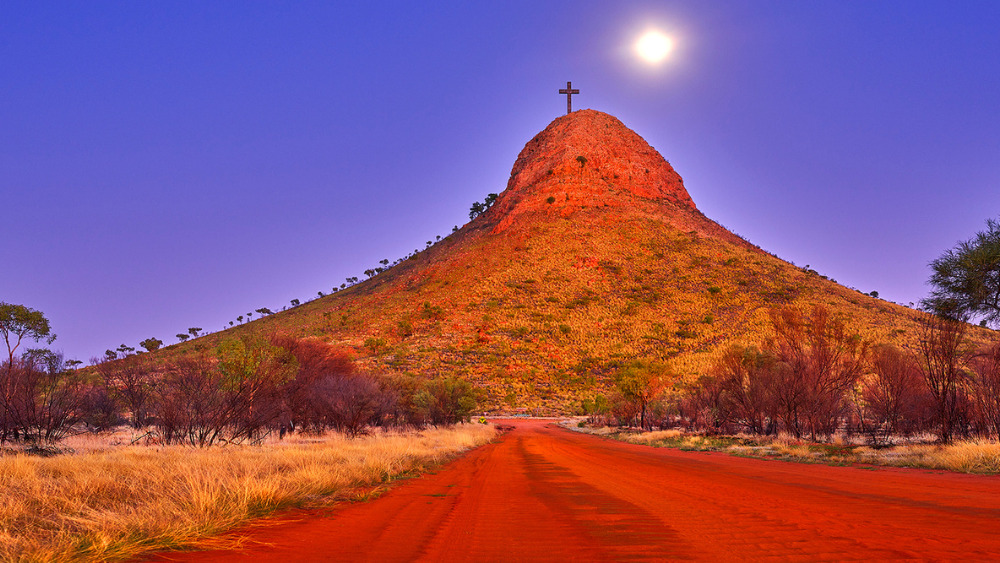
544	493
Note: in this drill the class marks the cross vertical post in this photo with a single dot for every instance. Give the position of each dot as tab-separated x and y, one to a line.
569	91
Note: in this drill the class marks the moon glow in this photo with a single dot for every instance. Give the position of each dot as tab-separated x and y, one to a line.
653	47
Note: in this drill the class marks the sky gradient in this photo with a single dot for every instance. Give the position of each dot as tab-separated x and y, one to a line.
166	166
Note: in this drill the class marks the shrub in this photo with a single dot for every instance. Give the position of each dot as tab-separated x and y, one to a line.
128	382
819	360
985	366
638	384
446	401
376	345
41	399
352	404
316	361
891	399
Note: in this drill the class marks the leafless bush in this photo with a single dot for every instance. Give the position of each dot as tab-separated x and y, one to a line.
701	406
128	381
985	389
745	379
624	411
942	346
41	400
191	406
100	411
818	361
352	404
891	400
317	362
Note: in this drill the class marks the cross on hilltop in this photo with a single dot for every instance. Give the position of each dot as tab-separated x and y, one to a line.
569	91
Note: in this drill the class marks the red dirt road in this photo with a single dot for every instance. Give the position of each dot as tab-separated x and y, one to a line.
546	493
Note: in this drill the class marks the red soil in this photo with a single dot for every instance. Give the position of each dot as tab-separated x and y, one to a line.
545	493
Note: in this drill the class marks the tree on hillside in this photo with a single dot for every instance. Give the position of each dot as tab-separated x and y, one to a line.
265	311
151	344
182	337
477	209
966	278
193	331
18	322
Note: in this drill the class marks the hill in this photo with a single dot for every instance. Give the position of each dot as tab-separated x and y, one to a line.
593	255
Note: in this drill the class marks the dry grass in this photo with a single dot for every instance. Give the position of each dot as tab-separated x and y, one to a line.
116	503
649	437
973	456
976	456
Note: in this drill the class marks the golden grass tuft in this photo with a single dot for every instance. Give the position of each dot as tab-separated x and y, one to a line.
649	437
973	456
116	503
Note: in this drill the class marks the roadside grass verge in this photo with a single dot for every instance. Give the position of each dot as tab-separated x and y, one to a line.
121	502
973	456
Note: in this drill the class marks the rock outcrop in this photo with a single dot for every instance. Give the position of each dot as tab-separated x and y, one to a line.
588	159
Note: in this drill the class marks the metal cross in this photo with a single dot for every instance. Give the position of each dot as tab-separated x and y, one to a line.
569	91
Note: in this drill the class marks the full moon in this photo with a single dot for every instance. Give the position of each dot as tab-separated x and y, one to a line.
653	46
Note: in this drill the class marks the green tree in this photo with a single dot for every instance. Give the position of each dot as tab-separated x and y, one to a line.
966	278
182	337
193	331
446	401
640	383
151	344
18	322
476	209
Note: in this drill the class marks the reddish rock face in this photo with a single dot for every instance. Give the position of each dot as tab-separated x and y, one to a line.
588	159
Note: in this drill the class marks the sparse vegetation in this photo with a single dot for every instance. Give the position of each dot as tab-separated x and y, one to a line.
115	502
972	456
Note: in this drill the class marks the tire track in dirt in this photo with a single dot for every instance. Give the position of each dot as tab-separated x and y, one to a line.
544	493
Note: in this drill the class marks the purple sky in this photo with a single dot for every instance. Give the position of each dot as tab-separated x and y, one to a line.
170	165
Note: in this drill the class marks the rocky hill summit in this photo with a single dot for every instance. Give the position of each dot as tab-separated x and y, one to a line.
590	159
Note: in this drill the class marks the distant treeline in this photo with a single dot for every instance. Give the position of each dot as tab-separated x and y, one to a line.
245	390
816	377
